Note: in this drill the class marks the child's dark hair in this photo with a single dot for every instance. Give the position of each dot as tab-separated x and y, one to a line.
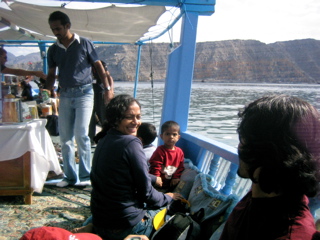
147	132
169	124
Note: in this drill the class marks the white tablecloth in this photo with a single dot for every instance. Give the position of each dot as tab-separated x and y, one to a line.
18	138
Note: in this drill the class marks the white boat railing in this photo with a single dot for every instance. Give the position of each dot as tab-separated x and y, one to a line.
216	159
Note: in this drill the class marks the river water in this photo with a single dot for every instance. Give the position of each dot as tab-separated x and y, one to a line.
214	106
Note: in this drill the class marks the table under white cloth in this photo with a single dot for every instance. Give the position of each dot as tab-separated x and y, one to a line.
18	138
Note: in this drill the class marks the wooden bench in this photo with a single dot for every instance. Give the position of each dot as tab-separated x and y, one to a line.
15	178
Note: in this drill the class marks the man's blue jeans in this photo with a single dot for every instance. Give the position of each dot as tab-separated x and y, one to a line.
75	111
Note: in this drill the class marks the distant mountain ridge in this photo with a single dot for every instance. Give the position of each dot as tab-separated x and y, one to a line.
296	61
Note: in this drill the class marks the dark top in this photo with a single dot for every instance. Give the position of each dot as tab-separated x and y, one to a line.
74	62
269	219
27	92
121	184
2	67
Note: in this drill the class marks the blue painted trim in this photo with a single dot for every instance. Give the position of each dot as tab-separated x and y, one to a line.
223	150
180	74
137	72
214	164
230	180
25	41
19	45
43	54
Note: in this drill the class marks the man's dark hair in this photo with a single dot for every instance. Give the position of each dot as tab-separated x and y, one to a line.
281	135
147	132
59	16
169	124
2	51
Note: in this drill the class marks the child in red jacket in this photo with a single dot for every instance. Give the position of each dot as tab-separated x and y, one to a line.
167	160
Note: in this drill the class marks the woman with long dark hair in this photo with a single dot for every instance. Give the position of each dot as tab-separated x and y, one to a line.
123	200
279	151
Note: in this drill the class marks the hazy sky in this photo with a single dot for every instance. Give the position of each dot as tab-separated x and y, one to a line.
267	21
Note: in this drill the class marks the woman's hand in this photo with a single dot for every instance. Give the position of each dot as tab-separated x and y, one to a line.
175	196
158	182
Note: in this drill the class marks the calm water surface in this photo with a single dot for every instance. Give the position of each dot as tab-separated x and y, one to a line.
214	107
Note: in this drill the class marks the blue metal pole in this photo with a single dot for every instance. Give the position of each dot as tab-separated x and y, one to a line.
137	72
179	77
43	53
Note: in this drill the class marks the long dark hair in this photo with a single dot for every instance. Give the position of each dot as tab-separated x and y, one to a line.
281	134
114	113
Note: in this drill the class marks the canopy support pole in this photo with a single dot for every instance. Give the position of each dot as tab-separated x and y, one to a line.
137	71
179	77
43	54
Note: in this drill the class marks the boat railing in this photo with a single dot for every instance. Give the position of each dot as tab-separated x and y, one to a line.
216	159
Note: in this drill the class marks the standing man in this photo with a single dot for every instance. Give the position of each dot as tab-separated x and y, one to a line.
73	56
18	72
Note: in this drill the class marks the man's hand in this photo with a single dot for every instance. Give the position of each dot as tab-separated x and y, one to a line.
108	95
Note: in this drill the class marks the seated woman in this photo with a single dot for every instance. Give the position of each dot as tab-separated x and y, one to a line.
123	200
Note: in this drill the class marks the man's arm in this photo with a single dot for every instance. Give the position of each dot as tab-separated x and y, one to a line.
106	80
51	77
21	72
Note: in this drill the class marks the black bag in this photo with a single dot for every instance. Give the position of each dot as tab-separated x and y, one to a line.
177	206
178	227
52	125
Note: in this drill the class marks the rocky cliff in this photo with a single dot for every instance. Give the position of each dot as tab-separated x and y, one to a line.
296	61
253	61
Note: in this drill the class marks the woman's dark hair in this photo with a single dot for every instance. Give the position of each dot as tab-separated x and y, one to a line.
114	112
23	84
59	16
281	134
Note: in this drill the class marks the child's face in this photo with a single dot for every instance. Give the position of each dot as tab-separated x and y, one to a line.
170	137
